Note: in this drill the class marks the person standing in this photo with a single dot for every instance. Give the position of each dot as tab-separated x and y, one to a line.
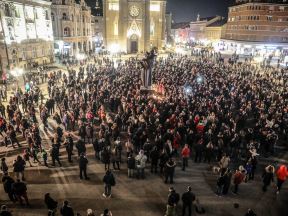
188	198
83	161
131	165
109	181
69	147
154	156
66	209
19	167
55	155
8	181
169	170
173	199
106	155
81	148
3	166
282	174
20	190
267	177
51	204
185	156
238	178
141	159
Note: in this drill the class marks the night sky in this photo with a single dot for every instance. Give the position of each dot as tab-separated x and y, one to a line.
187	10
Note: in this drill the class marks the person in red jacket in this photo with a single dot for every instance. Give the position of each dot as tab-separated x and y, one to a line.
282	174
185	155
238	178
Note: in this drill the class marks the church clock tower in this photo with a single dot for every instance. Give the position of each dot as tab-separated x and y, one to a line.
134	25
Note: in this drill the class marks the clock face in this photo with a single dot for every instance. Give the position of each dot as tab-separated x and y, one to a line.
134	11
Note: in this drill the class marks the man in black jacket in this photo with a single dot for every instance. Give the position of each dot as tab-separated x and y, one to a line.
55	155
187	199
8	181
69	147
83	166
20	191
81	148
66	210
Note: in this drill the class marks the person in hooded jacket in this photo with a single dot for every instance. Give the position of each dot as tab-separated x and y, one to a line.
8	181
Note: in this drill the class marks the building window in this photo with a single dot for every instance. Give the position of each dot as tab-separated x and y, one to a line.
7	11
83	19
114	6
47	15
269	18
72	17
34	52
116	28
155	7
66	32
52	16
64	16
17	13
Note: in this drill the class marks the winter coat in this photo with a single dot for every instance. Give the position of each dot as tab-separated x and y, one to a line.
141	161
7	183
267	176
83	162
19	165
131	162
238	177
282	173
109	179
185	152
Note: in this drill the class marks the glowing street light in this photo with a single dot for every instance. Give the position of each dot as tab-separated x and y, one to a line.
199	79
114	48
16	72
80	56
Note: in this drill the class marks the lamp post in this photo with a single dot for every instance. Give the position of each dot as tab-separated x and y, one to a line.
3	5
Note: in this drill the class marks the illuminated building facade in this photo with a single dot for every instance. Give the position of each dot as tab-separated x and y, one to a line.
258	27
134	26
72	27
26	36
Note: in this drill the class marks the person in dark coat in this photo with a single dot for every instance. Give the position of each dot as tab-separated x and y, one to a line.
173	199
106	157
131	164
83	161
69	147
55	155
51	204
154	156
81	148
19	167
227	181
20	190
169	170
8	181
187	198
66	210
268	177
109	181
82	132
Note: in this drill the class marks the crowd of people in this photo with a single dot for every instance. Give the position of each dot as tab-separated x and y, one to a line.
225	114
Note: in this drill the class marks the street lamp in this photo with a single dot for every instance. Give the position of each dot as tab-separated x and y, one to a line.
3	5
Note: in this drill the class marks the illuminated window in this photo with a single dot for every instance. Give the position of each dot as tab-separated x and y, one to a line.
114	6
116	28
152	27
66	32
155	7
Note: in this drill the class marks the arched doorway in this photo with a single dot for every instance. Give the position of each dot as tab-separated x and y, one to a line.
134	43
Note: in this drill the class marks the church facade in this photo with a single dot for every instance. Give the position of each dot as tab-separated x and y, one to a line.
133	26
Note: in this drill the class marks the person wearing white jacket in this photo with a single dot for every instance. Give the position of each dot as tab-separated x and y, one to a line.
141	159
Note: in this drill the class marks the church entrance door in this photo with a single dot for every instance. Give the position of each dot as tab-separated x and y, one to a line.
134	44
